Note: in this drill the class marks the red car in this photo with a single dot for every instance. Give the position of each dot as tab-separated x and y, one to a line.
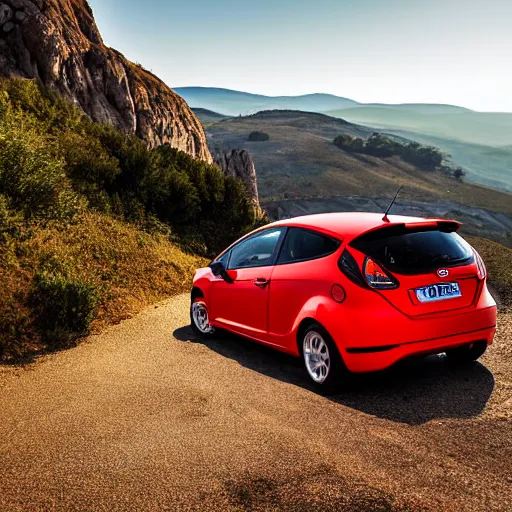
350	291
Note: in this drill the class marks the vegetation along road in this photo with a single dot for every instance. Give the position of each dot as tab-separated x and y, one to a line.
145	417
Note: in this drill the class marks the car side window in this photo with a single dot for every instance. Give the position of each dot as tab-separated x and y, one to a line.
257	251
224	258
303	244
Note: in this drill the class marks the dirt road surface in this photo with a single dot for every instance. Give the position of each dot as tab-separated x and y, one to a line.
145	417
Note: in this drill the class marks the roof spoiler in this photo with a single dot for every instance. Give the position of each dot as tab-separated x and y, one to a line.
401	228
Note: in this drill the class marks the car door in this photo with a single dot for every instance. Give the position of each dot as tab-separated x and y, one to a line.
300	274
242	305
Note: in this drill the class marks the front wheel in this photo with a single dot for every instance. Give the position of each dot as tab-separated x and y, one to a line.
321	358
199	319
467	353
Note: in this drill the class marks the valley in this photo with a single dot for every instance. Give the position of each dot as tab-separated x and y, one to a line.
300	169
480	142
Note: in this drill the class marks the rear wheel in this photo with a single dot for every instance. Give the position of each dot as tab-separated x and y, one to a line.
199	319
467	353
321	358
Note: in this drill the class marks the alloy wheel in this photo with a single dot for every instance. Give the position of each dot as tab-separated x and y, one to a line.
316	356
200	318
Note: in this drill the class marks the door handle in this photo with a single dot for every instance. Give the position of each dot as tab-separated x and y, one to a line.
261	282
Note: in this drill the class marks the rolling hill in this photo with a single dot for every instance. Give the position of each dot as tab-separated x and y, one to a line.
207	116
234	103
300	162
474	139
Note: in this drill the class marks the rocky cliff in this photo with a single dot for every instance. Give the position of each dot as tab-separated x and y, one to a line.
58	43
239	164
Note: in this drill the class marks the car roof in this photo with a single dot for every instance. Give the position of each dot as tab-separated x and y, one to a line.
350	224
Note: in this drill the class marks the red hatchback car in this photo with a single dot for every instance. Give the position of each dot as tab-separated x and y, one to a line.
350	291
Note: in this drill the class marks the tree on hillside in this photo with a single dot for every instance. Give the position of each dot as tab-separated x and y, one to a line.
381	146
349	143
427	158
258	137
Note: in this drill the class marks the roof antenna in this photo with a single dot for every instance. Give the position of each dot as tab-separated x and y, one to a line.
385	218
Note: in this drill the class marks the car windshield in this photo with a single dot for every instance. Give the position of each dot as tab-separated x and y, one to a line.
415	252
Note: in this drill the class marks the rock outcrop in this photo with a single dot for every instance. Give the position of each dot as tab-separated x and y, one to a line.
58	43
239	164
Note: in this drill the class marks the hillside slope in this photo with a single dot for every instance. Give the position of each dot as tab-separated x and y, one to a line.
207	116
485	165
94	224
58	42
300	161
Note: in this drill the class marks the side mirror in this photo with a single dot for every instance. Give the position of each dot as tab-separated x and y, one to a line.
218	269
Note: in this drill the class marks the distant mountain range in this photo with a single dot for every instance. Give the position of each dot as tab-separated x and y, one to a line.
434	120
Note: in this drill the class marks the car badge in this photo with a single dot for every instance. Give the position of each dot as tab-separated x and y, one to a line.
443	272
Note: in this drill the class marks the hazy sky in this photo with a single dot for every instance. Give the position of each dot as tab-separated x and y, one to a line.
394	51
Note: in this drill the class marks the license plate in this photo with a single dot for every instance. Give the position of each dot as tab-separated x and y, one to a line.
441	291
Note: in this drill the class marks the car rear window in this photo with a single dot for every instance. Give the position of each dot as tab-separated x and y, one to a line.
415	252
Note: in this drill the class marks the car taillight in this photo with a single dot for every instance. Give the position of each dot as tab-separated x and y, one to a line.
377	277
482	271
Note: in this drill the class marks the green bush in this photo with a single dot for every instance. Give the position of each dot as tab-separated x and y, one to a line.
258	137
349	143
54	161
64	309
425	157
32	176
10	220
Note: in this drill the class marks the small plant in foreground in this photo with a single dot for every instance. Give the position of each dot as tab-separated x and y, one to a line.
64	309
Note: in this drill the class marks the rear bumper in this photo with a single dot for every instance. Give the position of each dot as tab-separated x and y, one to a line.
370	359
378	335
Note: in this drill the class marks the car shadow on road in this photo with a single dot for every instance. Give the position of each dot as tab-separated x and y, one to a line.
413	392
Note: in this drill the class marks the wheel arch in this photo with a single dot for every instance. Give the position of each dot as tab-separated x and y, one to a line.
196	293
301	329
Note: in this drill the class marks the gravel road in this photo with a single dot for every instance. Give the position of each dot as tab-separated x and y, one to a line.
145	417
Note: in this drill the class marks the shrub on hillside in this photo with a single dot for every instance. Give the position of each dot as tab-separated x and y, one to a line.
64	309
459	173
56	166
9	220
90	166
349	143
51	112
257	136
425	157
32	176
62	156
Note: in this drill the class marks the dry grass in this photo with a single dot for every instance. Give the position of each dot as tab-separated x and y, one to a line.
130	268
134	268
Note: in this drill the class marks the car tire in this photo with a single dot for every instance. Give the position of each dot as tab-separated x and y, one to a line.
199	319
467	353
317	349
